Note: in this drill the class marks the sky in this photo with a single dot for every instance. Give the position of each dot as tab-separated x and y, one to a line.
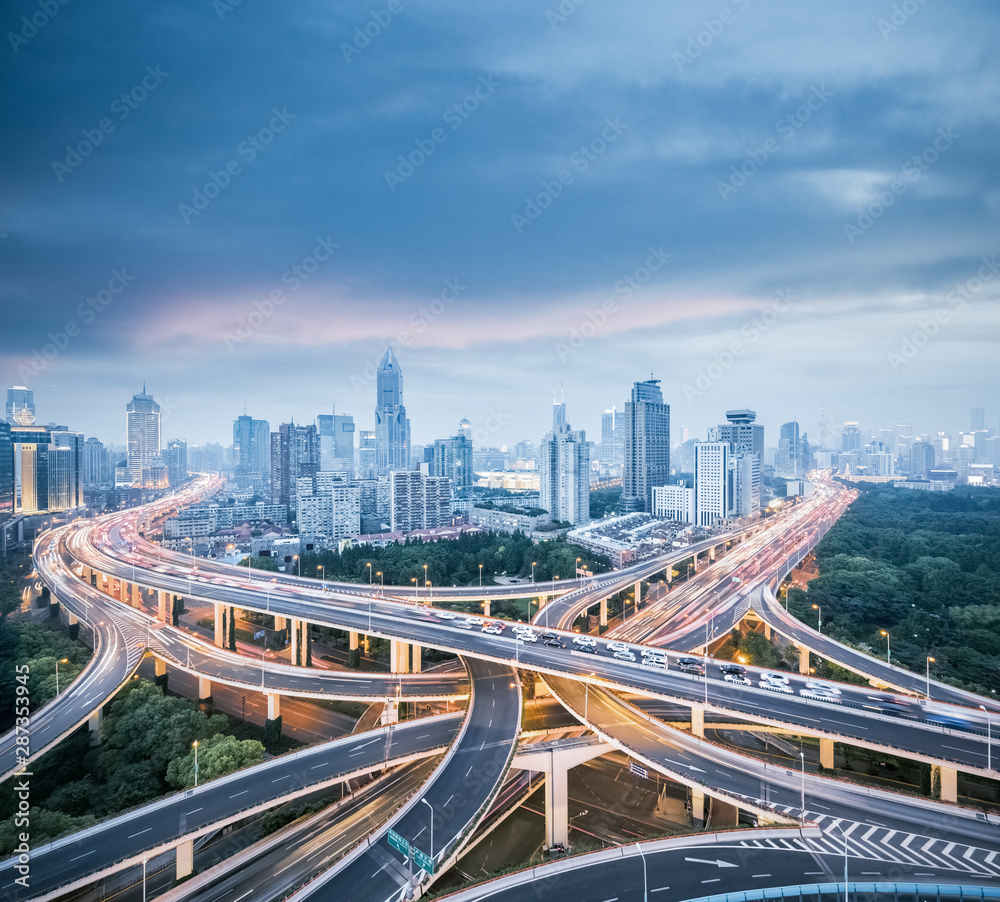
787	206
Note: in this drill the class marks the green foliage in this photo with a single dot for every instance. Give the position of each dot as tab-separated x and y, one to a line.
272	731
264	563
46	825
354	658
924	567
604	502
759	651
277	818
217	756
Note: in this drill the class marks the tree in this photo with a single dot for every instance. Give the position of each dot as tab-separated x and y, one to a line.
217	756
45	826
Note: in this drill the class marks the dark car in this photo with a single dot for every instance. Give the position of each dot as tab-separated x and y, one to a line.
733	669
554	643
691	665
588	649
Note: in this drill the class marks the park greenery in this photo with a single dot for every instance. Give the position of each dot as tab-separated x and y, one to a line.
923	567
146	750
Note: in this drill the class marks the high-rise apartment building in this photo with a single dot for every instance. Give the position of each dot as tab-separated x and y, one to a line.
336	443
20	410
612	440
452	458
714	482
176	459
417	501
392	426
294	455
6	473
789	462
921	458
564	457
745	438
48	469
329	508
251	453
977	419
366	453
850	438
647	445
142	426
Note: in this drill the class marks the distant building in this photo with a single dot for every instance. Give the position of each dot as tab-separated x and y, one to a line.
96	463
850	438
565	471
713	483
20	410
977	419
336	443
392	426
647	445
674	502
294	455
921	458
328	508
47	469
745	438
452	458
6	473
175	458
142	426
366	454
789	462
252	454
612	440
417	501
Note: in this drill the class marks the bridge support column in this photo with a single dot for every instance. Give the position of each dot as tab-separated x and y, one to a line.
603	619
416	663
557	805
159	667
185	859
162	606
767	631
694	564
73	620
220	632
204	690
711	554
399	653
947	780
638	593
390	713
94	725
273	706
826	753
697	805
85	573
486	608
122	592
279	622
352	641
698	721
803	659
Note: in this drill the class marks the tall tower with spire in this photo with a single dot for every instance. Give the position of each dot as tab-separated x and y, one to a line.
392	426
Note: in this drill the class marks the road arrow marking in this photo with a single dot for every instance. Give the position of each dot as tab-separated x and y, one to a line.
718	862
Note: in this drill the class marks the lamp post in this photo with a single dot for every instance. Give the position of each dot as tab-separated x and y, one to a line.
298	559
369	566
480	576
989	737
322	575
381	583
888	649
262	654
425	575
533	570
645	881
586	698
802	795
196	763
819	610
429	805
60	661
143	878
930	661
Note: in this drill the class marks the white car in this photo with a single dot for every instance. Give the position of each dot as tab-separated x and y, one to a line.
491	628
653	661
624	655
775	682
589	641
617	647
470	621
526	636
447	615
737	678
821	691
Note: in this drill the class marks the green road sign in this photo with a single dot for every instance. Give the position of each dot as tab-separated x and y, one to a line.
423	860
398	843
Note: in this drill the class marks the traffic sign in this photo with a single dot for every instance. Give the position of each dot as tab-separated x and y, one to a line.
423	860
398	843
638	770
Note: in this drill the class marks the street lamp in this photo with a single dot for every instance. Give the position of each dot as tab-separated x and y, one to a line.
888	649
381	583
143	878
930	661
196	763
425	574
429	805
480	576
586	698
60	661
296	557
369	566
322	575
819	609
802	797
533	570
989	737
645	881
262	654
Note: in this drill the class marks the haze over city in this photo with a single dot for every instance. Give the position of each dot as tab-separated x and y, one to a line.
790	208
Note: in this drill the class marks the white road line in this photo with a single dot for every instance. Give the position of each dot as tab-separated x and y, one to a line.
193	812
713	880
133	835
659	889
241	792
84	855
760	875
275	780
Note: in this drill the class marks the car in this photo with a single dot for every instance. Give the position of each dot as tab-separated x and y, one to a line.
554	643
776	682
471	621
820	691
465	624
490	628
447	615
522	628
734	669
617	646
653	661
691	665
770	677
499	624
589	649
737	678
588	641
526	636
946	715
624	655
549	636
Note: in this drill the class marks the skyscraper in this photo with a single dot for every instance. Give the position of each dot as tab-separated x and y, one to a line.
366	453
746	447
977	419
789	461
6	473
294	455
142	425
176	460
452	457
850	438
251	453
96	470
565	471
336	443
647	445
714	482
20	406
612	439
392	427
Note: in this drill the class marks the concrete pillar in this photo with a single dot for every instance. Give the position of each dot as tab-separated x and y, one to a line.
948	783
94	725
279	622
159	666
85	573
670	575
803	659
390	713
638	593
273	706
352	639
122	592
486	608
416	664
399	655
557	806
220	631
604	612
711	554
698	721
697	805
767	631
204	689
694	560
826	753
162	606
185	859
73	620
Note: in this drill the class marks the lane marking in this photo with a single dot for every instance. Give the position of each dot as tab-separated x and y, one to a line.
132	836
241	792
84	855
193	812
761	875
713	880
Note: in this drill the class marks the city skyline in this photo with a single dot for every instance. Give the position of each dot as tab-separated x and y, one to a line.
789	209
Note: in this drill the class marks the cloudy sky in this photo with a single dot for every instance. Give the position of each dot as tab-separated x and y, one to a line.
767	203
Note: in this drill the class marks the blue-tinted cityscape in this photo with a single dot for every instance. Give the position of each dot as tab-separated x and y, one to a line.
531	452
